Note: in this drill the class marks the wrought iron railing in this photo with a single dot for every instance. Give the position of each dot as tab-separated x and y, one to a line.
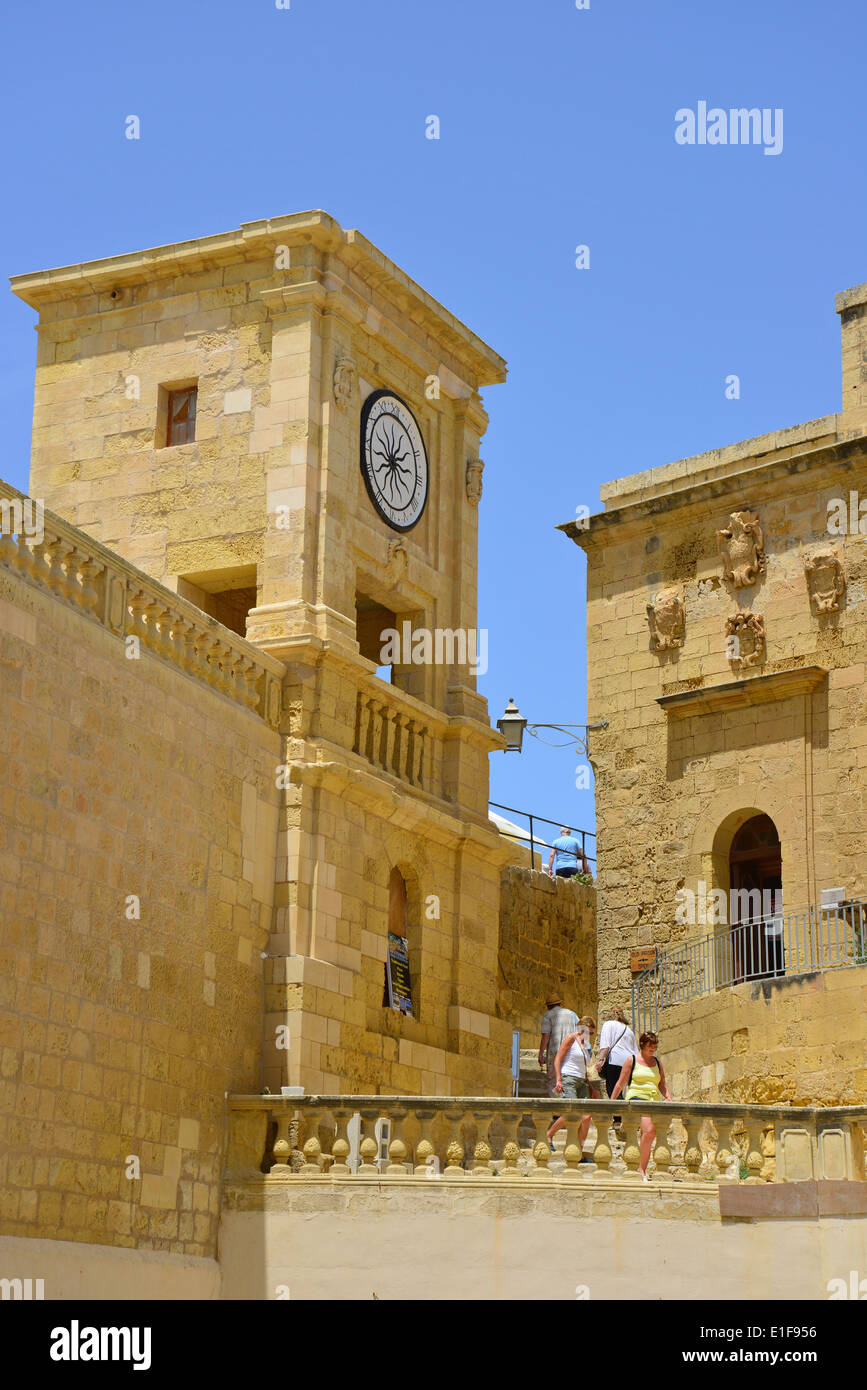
799	943
533	840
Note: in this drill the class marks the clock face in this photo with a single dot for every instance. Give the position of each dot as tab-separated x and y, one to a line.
393	460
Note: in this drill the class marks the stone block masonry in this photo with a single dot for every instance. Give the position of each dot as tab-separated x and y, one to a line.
547	942
138	818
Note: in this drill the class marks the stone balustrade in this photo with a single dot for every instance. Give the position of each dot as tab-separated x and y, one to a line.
75	569
393	733
356	1138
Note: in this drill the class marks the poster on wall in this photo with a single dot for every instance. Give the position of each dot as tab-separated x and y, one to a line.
397	974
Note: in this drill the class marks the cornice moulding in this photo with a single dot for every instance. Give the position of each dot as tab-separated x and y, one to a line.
756	690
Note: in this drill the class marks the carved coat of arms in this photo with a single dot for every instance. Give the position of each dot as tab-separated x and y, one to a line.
666	618
746	638
825	580
741	544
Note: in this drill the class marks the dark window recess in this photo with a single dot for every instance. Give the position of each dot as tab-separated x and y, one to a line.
182	416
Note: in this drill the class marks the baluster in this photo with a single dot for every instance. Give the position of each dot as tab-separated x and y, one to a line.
282	1149
219	656
661	1152
251	676
602	1151
755	1157
152	612
573	1152
368	1147
397	1148
162	622
341	1146
725	1155
424	1149
362	713
8	549
137	603
213	657
511	1147
38	566
24	557
632	1130
482	1150
391	731
201	643
234	680
55	575
70	587
417	758
541	1148
311	1148
376	736
89	595
406	747
691	1148
455	1150
181	645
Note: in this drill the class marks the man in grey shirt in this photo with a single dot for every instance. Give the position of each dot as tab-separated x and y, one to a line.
556	1023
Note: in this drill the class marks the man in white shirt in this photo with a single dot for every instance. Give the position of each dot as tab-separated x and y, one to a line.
556	1023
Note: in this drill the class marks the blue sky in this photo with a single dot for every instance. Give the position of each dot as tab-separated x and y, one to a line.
557	129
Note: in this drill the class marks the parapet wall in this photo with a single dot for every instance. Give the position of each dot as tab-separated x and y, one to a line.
772	1042
547	942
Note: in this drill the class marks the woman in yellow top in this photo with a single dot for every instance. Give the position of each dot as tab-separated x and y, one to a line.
645	1080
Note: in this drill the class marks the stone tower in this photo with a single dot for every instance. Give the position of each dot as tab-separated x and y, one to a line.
215	411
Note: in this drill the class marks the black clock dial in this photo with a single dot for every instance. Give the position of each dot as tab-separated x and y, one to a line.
393	460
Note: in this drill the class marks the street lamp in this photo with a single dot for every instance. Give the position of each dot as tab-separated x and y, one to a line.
512	727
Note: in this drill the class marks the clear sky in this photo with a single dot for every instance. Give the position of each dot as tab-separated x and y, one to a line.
557	129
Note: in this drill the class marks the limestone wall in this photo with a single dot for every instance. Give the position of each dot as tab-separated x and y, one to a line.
786	737
547	942
137	841
472	1240
796	1042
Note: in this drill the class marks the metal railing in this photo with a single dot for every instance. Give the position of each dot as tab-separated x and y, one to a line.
799	943
544	820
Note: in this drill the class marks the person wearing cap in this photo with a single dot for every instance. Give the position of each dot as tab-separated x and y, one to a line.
557	1023
567	856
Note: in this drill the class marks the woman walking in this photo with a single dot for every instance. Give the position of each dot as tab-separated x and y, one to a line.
616	1045
644	1079
570	1066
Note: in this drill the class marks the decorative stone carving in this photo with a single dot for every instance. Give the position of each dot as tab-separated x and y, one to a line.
344	380
741	544
825	580
666	618
749	631
398	560
475	469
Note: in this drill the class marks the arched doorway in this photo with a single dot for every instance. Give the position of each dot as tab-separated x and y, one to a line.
756	898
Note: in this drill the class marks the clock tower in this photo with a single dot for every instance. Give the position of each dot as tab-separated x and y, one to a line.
282	426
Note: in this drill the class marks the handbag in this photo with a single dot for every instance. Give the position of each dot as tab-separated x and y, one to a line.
605	1052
